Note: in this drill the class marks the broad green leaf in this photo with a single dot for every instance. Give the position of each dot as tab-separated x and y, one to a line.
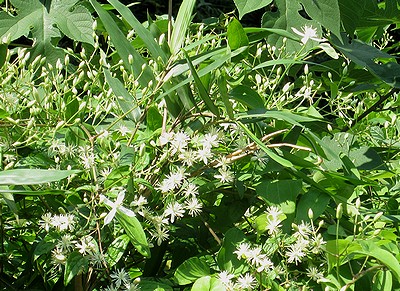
124	48
181	25
368	57
264	148
350	13
282	193
42	248
116	250
33	176
153	118
147	285
141	31
226	259
201	89
236	36
135	232
247	6
369	248
208	283
45	24
9	199
325	12
3	57
316	201
285	17
125	100
247	96
190	270
224	95
75	265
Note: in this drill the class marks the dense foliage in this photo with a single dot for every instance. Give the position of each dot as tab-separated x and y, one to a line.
176	154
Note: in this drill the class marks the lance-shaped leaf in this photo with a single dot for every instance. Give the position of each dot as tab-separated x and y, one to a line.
33	176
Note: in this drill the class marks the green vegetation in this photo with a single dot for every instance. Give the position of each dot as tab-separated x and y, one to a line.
178	154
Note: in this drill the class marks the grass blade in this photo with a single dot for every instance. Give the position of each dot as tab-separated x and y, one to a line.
153	47
201	89
124	48
181	25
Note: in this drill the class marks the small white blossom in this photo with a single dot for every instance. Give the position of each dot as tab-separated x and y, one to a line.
225	175
120	277
193	206
246	282
174	210
307	33
115	206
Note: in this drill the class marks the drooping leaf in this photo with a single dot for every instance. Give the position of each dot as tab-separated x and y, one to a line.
190	270
45	20
247	6
247	96
135	232
369	58
33	176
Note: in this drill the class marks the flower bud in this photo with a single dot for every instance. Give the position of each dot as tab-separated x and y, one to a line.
339	211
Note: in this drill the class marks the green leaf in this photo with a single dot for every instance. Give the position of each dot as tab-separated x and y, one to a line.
383	281
316	201
369	248
3	57
247	96
147	285
201	89
116	250
236	36
226	259
224	95
124	47
125	100
153	118
247	6
208	283
181	25
135	232
153	47
75	265
285	17
368	57
45	23
33	176
282	193
190	270
325	12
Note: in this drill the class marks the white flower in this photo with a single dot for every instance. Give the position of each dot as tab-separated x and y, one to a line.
187	157
204	154
165	138
242	251
264	264
308	33
273	226
314	274
63	222
120	277
123	130
303	230
246	282
160	235
179	142
274	212
117	205
191	190
226	278
210	140
172	181
295	254
193	206
58	257
225	175
174	210
86	245
46	221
